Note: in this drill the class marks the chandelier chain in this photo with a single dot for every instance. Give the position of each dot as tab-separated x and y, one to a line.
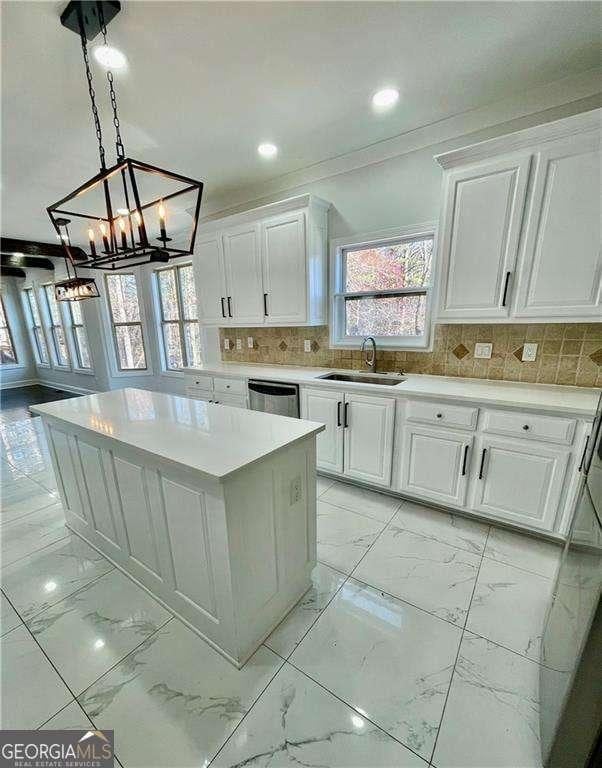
98	129
118	140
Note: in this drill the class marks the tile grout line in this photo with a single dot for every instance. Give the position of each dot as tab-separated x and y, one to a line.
451	679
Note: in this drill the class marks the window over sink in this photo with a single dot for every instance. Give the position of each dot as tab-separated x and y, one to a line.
381	287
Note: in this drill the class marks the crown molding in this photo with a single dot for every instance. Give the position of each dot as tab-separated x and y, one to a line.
586	122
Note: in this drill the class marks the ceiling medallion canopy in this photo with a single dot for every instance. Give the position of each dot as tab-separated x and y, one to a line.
130	213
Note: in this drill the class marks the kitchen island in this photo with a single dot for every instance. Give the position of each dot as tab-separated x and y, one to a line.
212	509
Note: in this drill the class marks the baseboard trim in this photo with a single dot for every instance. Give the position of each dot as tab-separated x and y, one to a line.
17	384
49	384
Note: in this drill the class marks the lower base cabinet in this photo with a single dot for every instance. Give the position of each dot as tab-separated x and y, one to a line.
435	464
358	439
519	482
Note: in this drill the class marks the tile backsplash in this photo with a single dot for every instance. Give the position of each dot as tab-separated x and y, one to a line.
566	353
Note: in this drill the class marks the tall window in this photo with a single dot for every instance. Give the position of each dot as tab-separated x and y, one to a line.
124	309
78	333
382	289
8	356
179	318
37	333
57	332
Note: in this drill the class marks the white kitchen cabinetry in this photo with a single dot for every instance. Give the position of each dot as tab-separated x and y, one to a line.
520	226
562	268
266	266
519	481
483	207
218	390
326	407
358	440
435	464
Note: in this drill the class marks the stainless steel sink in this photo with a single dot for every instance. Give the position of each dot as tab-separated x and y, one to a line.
361	378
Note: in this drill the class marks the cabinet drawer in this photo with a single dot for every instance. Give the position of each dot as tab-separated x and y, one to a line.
198	393
549	429
201	380
229	386
458	416
235	401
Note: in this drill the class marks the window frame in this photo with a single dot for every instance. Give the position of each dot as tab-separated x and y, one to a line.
51	329
337	324
11	338
78	366
111	325
181	322
29	294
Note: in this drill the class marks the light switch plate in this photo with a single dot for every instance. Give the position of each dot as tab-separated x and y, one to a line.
250	342
482	350
307	345
529	352
238	343
226	343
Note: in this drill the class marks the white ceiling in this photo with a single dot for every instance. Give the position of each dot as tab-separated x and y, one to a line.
207	82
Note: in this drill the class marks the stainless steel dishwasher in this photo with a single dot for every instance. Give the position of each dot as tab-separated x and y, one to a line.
271	397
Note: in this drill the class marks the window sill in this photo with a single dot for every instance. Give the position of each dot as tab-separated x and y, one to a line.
392	345
117	374
11	366
84	371
173	374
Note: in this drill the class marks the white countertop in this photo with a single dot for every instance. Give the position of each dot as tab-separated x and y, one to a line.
216	440
549	398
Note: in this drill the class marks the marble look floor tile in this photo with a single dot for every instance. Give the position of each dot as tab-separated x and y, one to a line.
90	631
344	537
360	500
293	627
298	723
22	537
416	568
8	616
70	718
22	496
387	659
523	551
188	696
323	484
509	607
444	527
492	713
42	579
31	689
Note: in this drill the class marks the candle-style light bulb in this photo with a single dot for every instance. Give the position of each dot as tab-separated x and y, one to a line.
92	242
124	240
162	221
105	240
140	225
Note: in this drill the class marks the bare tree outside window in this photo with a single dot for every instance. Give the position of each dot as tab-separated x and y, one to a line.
57	332
124	309
80	339
33	313
179	317
8	356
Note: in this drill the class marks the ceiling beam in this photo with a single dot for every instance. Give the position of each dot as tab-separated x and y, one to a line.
11	272
16	260
11	245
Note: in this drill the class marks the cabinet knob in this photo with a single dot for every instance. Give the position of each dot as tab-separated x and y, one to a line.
439	415
525	426
227	386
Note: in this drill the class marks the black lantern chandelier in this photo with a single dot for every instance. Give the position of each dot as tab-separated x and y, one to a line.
130	213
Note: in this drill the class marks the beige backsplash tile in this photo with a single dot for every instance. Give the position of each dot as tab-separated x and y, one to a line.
563	355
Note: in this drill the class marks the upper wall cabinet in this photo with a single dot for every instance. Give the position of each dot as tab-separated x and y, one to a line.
265	266
520	226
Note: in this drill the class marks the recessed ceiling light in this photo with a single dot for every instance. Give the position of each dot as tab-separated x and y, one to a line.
109	57
267	150
384	98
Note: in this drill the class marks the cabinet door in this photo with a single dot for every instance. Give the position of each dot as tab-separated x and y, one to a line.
242	264
435	464
284	273
209	278
369	423
562	264
519	482
326	407
235	401
482	214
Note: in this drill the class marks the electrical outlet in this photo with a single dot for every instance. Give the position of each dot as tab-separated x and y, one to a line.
482	351
307	345
226	343
529	352
250	342
296	490
238	343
